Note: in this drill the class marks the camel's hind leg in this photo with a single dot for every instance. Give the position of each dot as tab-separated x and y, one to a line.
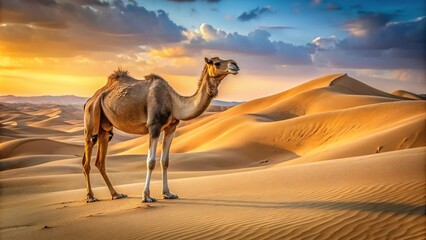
167	142
90	141
104	138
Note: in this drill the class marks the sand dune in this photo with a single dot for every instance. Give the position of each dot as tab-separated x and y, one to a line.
410	95
330	159
324	114
34	146
354	197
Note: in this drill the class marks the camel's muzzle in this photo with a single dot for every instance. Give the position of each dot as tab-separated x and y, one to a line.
233	68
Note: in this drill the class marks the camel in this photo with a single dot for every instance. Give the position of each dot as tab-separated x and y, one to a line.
147	106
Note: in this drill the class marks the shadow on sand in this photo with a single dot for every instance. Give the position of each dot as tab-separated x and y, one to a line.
379	207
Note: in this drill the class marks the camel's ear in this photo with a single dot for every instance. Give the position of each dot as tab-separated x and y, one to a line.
208	61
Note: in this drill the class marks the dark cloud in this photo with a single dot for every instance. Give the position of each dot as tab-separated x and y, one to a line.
274	27
32	12
377	42
256	42
41	2
366	59
82	25
254	13
289	54
387	35
93	2
367	22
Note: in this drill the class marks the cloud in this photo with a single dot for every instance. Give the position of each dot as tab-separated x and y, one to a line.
70	27
93	2
368	22
274	27
383	44
325	42
171	52
43	2
364	59
381	34
289	54
254	13
409	75
209	33
256	42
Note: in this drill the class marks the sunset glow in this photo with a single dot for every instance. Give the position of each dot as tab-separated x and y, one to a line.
70	47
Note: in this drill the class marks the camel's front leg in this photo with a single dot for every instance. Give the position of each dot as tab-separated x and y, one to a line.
167	142
150	164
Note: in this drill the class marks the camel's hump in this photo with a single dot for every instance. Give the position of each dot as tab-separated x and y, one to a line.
118	74
122	74
153	76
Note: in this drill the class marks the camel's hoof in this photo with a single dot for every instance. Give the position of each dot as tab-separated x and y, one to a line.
91	199
170	196
149	199
119	196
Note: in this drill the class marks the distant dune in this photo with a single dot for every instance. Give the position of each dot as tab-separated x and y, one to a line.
332	158
74	100
68	99
411	95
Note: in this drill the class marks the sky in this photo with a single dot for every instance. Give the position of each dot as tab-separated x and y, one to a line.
69	47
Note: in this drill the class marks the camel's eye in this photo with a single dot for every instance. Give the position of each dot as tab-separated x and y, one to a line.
217	64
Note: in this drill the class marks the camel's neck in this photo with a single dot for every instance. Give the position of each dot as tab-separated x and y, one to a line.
186	108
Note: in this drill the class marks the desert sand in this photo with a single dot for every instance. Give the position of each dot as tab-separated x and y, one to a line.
330	159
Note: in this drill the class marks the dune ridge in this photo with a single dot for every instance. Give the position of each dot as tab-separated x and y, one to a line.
406	94
30	146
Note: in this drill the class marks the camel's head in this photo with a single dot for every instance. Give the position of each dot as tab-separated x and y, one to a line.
219	68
